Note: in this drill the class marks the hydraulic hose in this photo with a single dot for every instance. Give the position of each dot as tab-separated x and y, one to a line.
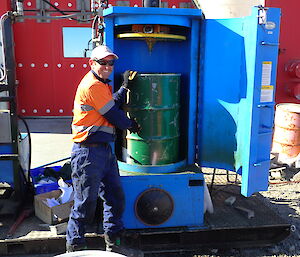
29	146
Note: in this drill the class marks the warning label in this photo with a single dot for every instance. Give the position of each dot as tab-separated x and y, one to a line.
266	94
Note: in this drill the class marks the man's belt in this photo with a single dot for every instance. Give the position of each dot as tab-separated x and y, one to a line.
93	144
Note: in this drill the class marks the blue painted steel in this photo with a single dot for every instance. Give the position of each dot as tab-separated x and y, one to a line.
168	168
235	127
263	112
6	167
194	59
188	200
165	57
142	19
150	12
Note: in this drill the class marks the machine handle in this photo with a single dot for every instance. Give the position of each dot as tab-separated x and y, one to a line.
260	163
8	156
264	43
265	105
267	127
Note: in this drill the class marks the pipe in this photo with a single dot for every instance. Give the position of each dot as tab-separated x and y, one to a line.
151	3
2	20
29	146
44	165
70	16
20	9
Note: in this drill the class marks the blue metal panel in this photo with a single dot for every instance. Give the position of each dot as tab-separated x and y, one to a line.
129	11
220	91
141	19
255	175
6	167
188	199
141	15
152	168
235	104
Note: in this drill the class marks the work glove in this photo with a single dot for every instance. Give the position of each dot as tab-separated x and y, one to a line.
135	128
128	76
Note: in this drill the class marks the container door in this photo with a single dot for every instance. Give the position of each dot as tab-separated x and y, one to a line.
236	95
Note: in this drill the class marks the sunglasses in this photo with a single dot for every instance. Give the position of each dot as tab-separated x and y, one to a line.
106	62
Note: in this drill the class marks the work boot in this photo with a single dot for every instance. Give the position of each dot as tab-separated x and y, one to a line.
113	244
75	248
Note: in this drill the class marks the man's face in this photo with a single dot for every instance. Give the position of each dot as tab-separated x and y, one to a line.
102	68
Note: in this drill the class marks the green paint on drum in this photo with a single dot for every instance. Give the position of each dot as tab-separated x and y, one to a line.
154	102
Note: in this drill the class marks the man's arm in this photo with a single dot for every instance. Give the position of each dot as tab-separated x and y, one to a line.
107	107
117	117
119	96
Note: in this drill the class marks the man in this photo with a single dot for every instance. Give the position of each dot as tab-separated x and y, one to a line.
94	165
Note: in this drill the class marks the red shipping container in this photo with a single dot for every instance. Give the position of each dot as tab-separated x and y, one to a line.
288	74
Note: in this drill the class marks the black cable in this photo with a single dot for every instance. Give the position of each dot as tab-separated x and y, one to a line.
53	6
87	49
2	74
62	12
29	145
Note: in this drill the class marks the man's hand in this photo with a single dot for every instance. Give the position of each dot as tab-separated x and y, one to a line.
128	76
135	128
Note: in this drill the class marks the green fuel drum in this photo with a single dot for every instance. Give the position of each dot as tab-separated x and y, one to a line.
154	102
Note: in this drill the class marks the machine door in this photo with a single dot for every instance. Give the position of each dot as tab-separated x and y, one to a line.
236	96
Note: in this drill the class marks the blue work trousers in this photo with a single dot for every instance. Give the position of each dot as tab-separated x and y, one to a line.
94	173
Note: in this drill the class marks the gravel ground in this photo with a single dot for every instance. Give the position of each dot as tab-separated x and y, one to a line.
284	198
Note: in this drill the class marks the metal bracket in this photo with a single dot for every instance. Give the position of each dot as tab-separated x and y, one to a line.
84	7
42	7
122	3
97	31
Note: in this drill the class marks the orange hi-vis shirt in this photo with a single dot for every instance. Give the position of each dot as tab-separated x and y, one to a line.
93	99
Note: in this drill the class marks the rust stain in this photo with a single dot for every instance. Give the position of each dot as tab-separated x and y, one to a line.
286	138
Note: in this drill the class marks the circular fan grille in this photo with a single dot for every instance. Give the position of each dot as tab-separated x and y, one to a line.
154	207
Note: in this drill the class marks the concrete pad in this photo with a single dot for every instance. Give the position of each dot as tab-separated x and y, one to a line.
51	139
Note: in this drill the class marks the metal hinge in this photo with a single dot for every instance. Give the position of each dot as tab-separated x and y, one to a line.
262	14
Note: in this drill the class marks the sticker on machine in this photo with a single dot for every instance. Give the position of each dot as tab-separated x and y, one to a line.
266	94
266	73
